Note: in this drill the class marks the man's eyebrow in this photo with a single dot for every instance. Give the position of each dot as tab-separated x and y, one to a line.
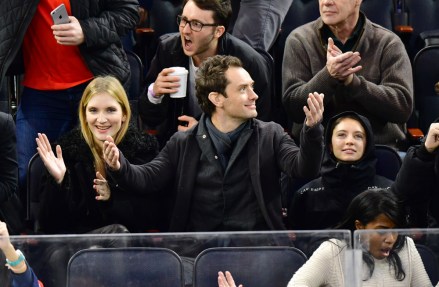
249	83
246	85
187	19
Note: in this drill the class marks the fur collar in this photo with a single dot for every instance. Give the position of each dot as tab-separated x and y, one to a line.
133	146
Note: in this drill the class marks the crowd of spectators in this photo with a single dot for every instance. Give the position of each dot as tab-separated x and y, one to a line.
212	160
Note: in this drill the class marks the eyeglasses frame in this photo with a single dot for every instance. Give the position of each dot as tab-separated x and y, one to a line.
180	19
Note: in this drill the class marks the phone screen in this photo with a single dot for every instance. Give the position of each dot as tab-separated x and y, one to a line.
59	15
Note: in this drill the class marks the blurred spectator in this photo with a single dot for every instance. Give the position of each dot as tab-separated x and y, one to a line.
21	274
258	21
158	15
8	157
417	181
162	15
10	204
357	64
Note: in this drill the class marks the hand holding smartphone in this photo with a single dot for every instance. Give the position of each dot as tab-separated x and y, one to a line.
59	15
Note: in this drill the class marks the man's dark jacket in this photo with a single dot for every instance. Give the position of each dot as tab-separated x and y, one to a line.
269	152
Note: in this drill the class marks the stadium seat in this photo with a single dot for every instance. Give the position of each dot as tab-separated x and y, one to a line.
379	11
250	266
430	263
34	175
388	161
425	77
421	16
136	83
116	267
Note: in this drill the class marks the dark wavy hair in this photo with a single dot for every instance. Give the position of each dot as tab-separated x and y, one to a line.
222	10
366	207
211	78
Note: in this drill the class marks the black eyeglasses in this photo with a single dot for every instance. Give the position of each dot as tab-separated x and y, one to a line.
194	24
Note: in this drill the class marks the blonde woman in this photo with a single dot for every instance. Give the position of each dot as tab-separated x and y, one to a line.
76	194
77	197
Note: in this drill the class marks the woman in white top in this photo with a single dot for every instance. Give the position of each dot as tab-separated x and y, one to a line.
389	260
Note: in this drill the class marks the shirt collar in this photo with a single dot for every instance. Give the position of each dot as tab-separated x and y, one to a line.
351	43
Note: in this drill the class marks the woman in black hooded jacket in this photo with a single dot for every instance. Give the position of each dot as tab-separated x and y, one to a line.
348	168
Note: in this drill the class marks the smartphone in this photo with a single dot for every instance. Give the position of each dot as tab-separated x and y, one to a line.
59	15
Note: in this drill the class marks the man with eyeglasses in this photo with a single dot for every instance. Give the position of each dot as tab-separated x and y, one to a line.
202	34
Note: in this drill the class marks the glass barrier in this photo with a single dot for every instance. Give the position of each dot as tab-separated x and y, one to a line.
398	257
164	259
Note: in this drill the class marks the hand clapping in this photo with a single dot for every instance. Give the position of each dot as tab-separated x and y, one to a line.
314	111
54	164
341	66
102	188
111	154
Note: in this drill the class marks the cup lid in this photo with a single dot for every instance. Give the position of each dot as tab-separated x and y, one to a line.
179	71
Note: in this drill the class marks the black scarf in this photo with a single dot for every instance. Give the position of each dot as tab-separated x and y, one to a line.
224	142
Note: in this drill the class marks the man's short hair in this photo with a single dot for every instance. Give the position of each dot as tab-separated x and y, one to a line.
222	10
211	78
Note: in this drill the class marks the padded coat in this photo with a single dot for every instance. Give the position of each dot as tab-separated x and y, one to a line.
103	23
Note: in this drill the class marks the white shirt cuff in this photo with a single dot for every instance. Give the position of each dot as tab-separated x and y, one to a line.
154	100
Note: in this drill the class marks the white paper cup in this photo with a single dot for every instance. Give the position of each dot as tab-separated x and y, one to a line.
182	73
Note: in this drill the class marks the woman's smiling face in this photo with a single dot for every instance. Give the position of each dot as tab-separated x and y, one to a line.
348	140
104	116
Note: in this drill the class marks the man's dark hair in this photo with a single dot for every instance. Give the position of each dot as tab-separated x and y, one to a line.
211	78
222	10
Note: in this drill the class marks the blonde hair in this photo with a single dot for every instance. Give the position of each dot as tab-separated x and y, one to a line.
111	86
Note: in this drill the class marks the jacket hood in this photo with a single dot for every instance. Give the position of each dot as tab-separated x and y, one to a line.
369	151
335	173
